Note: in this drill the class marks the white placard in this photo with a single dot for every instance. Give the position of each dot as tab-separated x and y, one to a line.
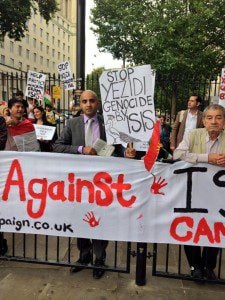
128	104
114	199
35	85
44	132
66	75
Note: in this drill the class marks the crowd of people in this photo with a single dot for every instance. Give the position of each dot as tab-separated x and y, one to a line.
195	137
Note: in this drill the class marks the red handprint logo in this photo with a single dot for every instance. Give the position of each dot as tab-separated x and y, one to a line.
157	185
90	218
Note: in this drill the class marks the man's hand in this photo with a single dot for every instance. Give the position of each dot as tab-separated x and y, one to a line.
216	159
89	151
130	153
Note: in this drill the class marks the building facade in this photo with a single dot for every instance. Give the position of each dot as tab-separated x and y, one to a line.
43	47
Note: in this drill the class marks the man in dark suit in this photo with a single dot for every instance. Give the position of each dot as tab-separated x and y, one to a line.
73	140
186	120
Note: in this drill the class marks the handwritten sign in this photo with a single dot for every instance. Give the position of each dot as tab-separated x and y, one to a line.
222	89
66	75
128	104
35	85
115	199
44	132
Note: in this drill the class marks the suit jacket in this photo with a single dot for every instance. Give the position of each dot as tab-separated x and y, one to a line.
179	128
73	135
3	133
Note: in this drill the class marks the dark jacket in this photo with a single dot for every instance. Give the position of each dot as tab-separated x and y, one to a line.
3	133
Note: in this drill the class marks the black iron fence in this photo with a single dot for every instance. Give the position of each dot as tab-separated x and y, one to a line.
170	96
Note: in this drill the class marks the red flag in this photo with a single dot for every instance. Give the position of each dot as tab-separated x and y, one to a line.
154	147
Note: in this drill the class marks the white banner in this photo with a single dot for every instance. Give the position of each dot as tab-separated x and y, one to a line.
35	85
111	198
222	89
66	75
128	104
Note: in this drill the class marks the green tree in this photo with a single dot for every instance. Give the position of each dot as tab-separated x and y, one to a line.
15	14
92	80
181	39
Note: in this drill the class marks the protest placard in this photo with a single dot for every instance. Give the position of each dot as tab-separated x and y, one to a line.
66	75
116	199
128	104
35	85
222	88
44	132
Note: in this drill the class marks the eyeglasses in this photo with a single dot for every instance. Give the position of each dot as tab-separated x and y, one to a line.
92	100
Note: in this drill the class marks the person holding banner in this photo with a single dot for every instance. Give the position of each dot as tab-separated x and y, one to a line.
3	138
205	145
78	137
21	133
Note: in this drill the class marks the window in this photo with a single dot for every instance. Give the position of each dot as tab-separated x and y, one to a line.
64	46
41	46
47	36
64	57
53	65
41	32
20	50
53	40
58	31
47	63
68	38
2	59
58	43
34	43
68	49
53	27
11	62
27	53
20	65
35	57
34	28
53	52
11	46
28	67
41	60
58	55
47	49
27	38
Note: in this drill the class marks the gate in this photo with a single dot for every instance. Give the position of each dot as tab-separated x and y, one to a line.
170	261
59	251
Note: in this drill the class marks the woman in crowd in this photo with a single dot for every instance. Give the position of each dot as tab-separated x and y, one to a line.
40	119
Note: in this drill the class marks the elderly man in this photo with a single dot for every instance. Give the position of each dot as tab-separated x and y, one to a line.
204	145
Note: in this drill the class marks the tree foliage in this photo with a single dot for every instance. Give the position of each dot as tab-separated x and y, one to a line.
92	80
176	37
15	14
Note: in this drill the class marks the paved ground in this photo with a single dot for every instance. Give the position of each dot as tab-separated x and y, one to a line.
22	281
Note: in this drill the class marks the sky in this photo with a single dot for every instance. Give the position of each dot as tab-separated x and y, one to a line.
94	58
